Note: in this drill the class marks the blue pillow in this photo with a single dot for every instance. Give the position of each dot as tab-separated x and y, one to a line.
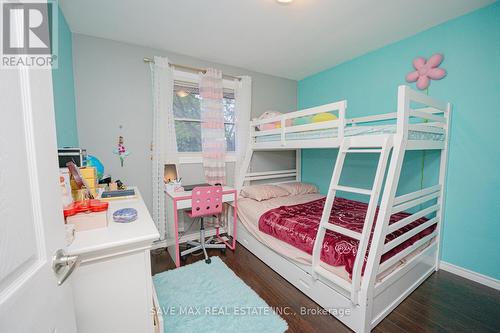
301	121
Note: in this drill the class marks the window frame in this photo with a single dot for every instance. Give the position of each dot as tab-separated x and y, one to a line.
197	157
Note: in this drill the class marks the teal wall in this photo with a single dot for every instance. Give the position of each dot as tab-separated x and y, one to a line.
471	45
64	91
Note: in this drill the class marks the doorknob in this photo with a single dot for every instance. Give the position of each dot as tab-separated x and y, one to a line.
62	262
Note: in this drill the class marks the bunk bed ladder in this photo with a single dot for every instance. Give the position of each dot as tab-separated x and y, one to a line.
349	145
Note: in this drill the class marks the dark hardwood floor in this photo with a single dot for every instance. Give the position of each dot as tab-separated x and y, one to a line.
443	303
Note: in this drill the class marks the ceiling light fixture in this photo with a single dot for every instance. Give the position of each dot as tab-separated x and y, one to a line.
284	2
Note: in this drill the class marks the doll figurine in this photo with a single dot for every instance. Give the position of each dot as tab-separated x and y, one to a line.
121	151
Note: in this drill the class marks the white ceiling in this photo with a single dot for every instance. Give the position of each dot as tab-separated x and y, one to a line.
291	41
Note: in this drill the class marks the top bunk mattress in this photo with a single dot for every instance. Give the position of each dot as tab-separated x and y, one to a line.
350	131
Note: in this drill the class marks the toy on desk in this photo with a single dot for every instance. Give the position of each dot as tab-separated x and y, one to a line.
105	180
83	182
120	185
116	185
121	151
87	214
94	162
112	186
125	215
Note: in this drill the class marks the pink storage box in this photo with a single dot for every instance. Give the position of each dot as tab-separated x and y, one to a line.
88	221
87	214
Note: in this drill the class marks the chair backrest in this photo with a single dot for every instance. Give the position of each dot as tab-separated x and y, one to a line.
206	200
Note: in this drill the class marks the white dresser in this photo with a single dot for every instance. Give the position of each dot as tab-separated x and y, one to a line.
112	288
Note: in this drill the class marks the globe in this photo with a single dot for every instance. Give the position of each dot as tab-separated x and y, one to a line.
93	161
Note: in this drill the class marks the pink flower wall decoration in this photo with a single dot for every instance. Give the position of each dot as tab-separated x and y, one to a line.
426	71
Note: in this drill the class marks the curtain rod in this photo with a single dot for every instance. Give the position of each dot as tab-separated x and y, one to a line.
192	69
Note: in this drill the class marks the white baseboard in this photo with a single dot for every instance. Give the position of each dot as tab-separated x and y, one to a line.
470	275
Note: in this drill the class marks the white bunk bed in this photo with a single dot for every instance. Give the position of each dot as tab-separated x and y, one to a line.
420	123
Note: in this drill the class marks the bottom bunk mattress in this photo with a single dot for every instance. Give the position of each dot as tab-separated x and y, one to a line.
297	225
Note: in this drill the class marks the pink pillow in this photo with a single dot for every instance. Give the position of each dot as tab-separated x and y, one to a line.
263	192
276	124
297	188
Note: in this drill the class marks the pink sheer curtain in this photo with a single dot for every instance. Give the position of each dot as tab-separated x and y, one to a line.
212	127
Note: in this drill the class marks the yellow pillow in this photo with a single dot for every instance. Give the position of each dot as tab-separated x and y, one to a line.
325	116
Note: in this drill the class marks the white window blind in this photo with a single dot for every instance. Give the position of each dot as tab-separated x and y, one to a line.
187	115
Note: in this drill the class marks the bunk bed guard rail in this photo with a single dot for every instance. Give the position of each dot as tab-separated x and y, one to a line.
284	123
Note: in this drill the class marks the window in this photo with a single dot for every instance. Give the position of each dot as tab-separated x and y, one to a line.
187	115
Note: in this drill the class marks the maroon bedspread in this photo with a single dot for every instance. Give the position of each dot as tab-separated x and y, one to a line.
297	225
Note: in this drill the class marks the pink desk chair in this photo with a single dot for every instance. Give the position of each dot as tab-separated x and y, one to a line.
206	201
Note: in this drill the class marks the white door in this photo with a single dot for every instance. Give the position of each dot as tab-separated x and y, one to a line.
31	221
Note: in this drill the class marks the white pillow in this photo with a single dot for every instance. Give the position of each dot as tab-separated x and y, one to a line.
268	126
263	192
297	188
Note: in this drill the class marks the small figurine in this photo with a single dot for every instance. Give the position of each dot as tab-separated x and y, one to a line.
121	151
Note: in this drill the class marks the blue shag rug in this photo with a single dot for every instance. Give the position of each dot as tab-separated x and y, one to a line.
211	298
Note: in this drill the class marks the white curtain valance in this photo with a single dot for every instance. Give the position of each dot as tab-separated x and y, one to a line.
164	141
243	107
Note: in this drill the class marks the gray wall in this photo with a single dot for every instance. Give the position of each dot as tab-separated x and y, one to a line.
113	89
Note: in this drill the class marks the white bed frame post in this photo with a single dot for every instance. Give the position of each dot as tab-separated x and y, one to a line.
245	165
389	193
298	164
342	120
443	167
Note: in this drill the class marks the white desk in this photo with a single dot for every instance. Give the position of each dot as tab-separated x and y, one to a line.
176	201
112	288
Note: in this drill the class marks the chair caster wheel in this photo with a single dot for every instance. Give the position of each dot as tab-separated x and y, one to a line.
208	261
